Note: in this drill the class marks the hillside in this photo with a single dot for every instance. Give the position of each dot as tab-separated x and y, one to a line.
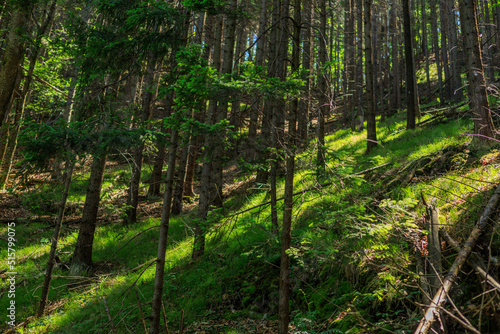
358	243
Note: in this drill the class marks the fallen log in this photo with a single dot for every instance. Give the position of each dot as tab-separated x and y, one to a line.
440	297
474	261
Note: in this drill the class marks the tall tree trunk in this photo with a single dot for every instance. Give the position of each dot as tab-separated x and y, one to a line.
324	102
349	58
456	81
286	230
437	51
135	180
411	87
81	260
395	57
161	145
371	127
207	192
484	22
425	49
12	59
200	113
375	53
478	98
222	110
257	105
194	150
266	133
6	163
178	194
359	120
307	65
55	239
444	47
162	240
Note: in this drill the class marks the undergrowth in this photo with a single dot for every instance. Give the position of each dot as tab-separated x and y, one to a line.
355	243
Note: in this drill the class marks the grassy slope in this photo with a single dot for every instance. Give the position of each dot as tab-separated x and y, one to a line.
353	265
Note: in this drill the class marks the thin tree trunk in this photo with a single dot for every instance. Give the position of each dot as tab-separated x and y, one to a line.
323	88
194	150
349	59
437	51
395	57
371	126
286	230
257	105
207	193
411	87
484	21
222	110
266	133
200	113
162	240
307	66
444	47
135	180
425	49
359	119
55	239
456	81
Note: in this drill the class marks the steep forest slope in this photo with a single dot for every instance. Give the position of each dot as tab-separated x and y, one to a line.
244	166
358	250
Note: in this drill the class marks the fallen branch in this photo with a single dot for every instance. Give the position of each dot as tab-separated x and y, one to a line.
440	297
474	261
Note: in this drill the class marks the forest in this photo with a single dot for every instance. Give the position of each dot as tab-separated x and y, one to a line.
249	166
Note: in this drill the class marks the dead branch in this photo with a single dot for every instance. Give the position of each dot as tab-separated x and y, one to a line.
474	260
440	297
113	329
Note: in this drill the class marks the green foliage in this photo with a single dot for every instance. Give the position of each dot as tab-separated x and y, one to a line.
212	7
129	35
43	142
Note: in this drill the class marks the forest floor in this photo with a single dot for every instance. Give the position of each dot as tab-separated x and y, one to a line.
358	235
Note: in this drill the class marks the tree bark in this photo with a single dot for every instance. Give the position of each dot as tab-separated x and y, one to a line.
425	49
12	59
371	127
6	162
349	59
286	231
135	180
456	81
437	51
178	194
396	90
411	88
444	29
359	118
207	191
478	98
81	260
55	239
162	240
307	65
